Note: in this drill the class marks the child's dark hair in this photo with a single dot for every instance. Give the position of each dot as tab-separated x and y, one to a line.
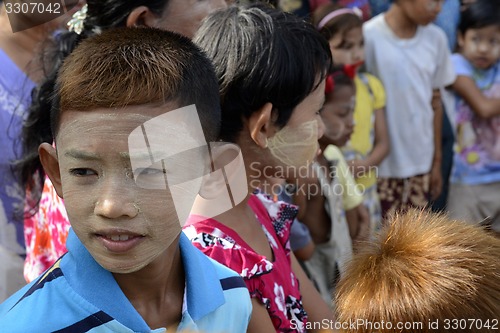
262	55
480	14
101	15
340	24
339	76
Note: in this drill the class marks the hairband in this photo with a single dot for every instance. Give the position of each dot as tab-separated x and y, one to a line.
354	11
347	70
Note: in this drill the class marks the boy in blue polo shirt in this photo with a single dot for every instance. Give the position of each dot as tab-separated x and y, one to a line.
134	109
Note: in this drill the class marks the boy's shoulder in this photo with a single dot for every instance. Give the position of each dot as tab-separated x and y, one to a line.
47	304
375	23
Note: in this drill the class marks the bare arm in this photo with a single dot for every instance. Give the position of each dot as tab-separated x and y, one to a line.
436	180
380	147
483	106
260	320
315	306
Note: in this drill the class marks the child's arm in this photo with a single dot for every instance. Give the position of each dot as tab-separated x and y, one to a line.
316	308
260	320
380	147
358	221
436	178
483	106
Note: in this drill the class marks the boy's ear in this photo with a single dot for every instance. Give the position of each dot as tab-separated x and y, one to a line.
141	16
50	162
260	125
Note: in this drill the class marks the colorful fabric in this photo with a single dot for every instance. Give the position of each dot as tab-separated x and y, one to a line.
370	96
477	149
273	283
399	195
45	233
77	295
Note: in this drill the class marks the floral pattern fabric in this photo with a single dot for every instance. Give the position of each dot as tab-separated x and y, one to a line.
273	283
477	151
45	233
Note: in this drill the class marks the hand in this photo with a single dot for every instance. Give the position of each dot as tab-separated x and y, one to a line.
363	234
436	181
357	167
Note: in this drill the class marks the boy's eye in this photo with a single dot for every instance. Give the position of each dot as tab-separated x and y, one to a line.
319	111
82	172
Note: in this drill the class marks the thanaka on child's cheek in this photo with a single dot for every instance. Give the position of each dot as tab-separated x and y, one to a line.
124	227
297	143
348	48
338	116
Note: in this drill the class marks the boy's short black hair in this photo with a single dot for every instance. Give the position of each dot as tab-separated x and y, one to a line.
480	14
262	55
134	66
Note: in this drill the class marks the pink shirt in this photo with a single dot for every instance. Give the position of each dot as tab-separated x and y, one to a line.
273	283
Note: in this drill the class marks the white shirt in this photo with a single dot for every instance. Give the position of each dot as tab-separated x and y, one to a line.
409	69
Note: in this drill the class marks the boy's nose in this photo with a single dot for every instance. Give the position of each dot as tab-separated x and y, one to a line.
483	47
114	202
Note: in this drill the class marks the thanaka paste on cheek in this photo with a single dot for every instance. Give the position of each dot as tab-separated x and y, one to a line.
295	146
496	52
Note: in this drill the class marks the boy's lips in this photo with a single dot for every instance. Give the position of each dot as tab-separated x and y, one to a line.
119	241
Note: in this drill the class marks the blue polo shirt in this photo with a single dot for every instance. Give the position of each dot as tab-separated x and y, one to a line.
77	295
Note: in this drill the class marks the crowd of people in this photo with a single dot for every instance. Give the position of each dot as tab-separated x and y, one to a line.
250	166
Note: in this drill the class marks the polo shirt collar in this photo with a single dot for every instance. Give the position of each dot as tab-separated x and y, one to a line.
204	292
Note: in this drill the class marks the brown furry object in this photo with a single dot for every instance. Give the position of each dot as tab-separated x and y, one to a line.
423	268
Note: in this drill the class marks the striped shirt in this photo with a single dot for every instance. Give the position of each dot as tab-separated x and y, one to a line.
77	295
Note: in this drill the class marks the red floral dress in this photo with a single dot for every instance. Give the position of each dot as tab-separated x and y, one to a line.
45	233
273	283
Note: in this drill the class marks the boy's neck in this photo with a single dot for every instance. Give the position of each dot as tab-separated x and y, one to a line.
401	25
157	290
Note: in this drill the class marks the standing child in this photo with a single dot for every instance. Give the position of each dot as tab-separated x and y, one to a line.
412	59
332	212
271	67
475	188
129	268
369	142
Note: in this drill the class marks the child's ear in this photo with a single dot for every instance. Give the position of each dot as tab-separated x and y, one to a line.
50	162
261	126
141	16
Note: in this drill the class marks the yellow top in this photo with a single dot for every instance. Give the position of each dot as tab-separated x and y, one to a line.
370	96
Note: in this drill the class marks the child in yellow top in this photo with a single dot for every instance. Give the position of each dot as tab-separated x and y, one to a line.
365	142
